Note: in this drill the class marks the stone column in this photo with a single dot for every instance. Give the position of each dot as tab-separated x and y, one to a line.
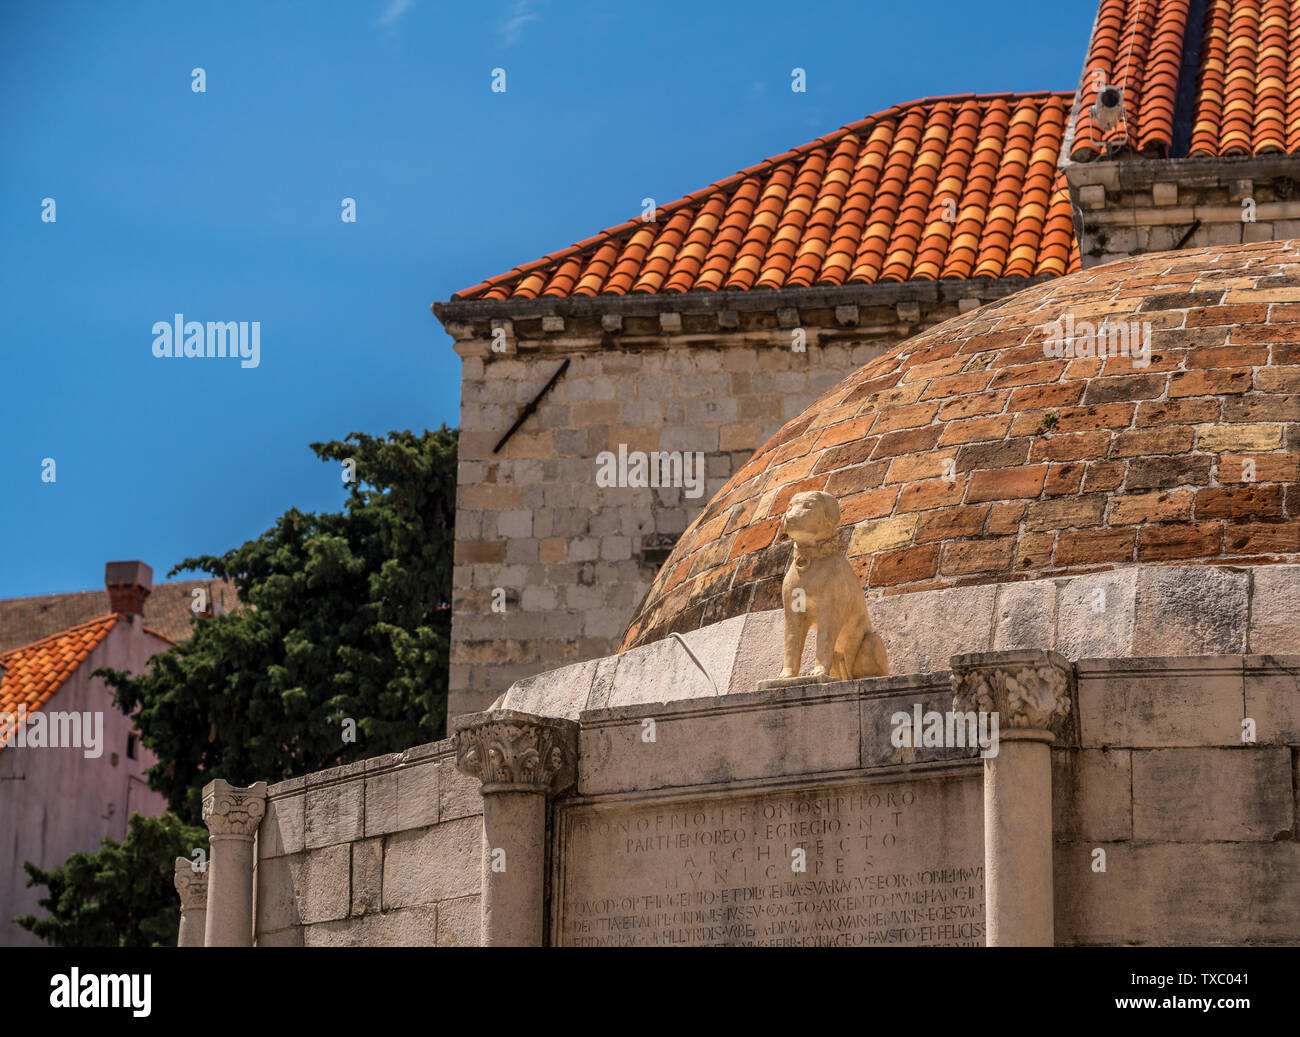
193	889
232	816
1030	692
521	760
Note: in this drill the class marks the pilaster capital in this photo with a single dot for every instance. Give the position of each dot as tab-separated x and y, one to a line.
232	811
509	751
190	884
1027	688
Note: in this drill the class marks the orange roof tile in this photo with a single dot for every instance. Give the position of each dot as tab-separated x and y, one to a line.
34	672
1247	89
949	187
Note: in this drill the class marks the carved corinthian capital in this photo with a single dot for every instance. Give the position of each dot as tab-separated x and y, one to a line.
1026	688
511	751
191	885
228	810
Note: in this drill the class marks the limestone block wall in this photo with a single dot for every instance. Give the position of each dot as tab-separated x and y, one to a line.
567	560
381	852
1198	828
1168	827
1134	206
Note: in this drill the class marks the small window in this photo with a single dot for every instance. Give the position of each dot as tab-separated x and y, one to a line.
131	741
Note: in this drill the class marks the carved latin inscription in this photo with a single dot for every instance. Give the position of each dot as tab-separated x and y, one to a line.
853	865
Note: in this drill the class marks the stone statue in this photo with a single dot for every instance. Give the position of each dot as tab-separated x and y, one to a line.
820	589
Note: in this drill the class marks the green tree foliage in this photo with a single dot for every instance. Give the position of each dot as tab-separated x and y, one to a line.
122	895
346	619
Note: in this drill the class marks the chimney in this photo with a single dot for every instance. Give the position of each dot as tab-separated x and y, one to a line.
128	585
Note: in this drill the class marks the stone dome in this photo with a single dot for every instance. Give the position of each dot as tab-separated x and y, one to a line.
969	454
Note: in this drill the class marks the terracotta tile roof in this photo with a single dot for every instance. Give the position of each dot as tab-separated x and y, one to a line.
1247	88
33	673
862	205
167	611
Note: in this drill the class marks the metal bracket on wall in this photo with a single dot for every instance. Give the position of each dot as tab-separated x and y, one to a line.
1196	224
532	406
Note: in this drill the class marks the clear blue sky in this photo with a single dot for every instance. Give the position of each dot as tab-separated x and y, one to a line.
225	206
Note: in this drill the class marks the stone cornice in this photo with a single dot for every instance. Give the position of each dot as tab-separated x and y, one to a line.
510	751
232	811
461	311
1027	688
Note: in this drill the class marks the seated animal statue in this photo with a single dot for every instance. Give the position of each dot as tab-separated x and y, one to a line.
821	590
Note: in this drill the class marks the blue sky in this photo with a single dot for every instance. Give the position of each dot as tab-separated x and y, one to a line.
225	206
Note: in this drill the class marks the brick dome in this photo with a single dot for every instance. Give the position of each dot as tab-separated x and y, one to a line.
968	455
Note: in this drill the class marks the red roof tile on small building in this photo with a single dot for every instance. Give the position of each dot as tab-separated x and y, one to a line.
34	672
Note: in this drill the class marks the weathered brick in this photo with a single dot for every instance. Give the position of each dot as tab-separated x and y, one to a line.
1075	446
1104	475
844	432
1209	383
932	493
921	466
868	505
1235	502
1155	473
1034	550
993	455
1089	546
1278	379
1267	468
1176	412
859	477
1030	374
1136	442
916	416
1007	516
972	406
890	568
1064	478
977	556
975	430
957	385
1078	419
951	523
871	537
1151	507
909	441
1262	537
1133	387
1067	512
1239	437
1261	408
755	537
1006	484
1047	397
1218	357
1249	314
1179	540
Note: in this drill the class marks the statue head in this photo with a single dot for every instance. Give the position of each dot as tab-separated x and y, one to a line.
812	517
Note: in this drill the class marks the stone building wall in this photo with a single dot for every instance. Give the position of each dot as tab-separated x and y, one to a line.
714	373
1167	826
1130	207
380	852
